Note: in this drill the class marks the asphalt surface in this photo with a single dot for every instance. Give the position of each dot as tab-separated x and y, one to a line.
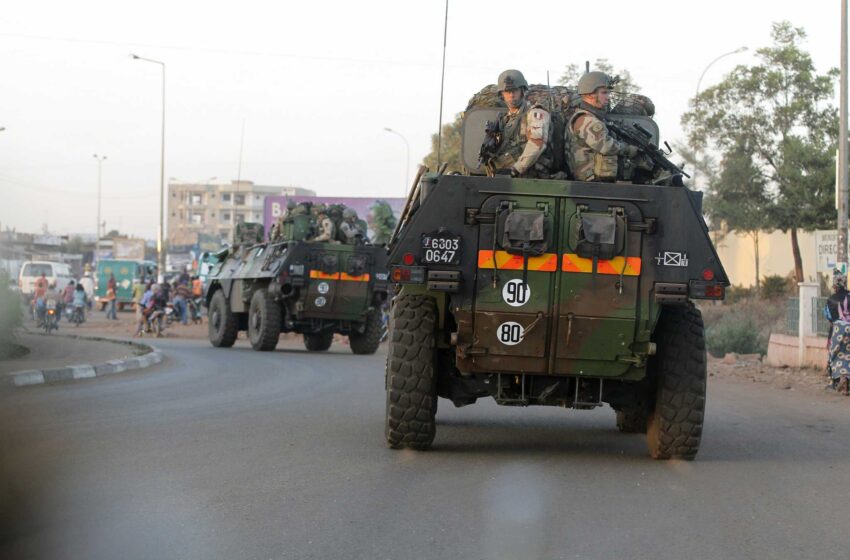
238	454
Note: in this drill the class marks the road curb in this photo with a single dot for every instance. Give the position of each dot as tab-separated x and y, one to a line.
150	357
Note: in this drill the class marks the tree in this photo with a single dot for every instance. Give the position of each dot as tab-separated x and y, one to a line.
738	196
781	108
626	84
451	147
382	221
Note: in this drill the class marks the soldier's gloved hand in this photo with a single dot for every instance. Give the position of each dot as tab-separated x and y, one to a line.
631	151
514	173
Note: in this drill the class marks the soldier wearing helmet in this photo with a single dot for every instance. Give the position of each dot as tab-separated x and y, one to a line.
591	150
525	149
327	229
349	229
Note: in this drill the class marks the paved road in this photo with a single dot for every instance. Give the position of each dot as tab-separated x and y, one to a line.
237	454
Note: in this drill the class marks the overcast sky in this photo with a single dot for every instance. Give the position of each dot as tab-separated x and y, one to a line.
315	83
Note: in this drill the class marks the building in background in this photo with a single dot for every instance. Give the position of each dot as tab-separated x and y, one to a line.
201	216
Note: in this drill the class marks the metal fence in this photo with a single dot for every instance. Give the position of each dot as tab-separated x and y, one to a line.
792	316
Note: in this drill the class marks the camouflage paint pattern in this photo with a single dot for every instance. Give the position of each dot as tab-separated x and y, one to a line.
526	140
312	281
580	317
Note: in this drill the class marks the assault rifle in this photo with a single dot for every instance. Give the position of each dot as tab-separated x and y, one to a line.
642	139
490	146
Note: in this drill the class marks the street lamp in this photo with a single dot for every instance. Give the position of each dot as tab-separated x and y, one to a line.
407	167
160	236
97	229
696	100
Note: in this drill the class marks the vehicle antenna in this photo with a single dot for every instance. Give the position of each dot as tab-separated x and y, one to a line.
442	83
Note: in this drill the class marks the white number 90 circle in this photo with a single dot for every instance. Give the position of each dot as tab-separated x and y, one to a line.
516	293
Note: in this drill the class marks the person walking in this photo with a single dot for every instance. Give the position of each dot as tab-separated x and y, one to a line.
110	304
138	294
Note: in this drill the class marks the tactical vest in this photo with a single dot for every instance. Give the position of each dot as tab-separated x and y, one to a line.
586	163
514	129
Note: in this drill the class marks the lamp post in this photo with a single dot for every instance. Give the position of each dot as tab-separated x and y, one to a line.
160	236
696	99
407	166
97	229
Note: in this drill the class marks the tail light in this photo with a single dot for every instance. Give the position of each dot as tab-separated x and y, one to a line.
408	274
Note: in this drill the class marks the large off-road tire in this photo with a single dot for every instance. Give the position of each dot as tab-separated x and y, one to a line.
368	341
223	324
264	319
411	382
632	420
318	342
679	367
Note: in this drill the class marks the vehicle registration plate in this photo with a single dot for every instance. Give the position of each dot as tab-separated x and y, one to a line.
441	248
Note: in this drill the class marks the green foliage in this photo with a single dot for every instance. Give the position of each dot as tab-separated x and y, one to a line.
738	195
573	72
10	314
778	113
450	150
775	286
735	333
381	221
736	294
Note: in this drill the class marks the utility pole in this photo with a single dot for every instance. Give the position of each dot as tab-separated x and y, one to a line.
97	229
842	145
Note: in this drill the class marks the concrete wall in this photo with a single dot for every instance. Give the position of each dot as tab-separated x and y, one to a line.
783	350
738	257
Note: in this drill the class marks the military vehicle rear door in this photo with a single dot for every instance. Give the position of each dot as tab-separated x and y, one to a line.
596	297
517	267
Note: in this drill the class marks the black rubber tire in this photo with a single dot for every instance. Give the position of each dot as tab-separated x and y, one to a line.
632	420
264	318
368	341
223	325
411	381
680	370
318	342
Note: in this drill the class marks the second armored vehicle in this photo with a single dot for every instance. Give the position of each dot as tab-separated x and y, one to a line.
291	284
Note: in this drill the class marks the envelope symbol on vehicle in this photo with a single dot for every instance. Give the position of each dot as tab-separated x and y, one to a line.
675	259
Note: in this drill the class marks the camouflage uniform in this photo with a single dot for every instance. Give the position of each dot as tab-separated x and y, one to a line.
327	230
525	142
593	151
349	228
524	149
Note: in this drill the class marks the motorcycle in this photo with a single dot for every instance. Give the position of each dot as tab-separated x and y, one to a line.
194	309
51	317
77	315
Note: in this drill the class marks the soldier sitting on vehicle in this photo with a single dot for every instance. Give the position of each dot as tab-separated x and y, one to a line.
350	230
327	230
591	149
524	150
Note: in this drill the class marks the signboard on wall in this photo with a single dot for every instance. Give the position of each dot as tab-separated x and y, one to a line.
826	249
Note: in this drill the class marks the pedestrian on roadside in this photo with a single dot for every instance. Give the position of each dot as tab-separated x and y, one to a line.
112	284
110	304
146	308
88	285
181	294
197	287
138	293
838	312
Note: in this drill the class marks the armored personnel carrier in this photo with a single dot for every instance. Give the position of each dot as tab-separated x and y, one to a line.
551	292
292	284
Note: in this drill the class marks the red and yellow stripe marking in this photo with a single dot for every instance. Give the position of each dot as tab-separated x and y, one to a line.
573	263
362	278
570	262
319	275
548	262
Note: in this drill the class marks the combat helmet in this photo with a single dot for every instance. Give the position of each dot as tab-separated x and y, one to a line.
591	81
349	214
511	79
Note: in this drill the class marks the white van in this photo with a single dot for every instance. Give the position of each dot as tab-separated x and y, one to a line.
56	273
